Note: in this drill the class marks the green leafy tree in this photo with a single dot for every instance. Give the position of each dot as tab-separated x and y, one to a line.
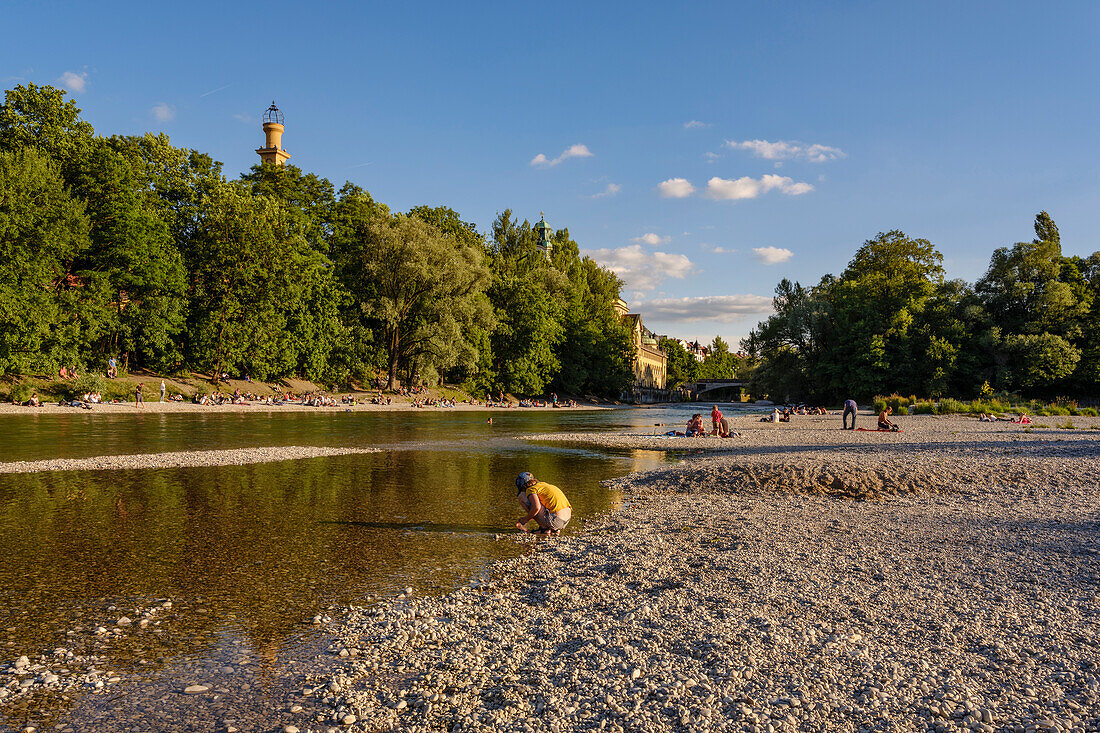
255	306
681	367
42	230
41	117
134	260
527	295
429	290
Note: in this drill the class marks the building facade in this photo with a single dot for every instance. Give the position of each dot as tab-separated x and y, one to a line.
650	363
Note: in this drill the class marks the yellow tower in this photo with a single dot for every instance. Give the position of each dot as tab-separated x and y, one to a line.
272	151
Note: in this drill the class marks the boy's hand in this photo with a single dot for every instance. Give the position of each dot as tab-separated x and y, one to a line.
521	526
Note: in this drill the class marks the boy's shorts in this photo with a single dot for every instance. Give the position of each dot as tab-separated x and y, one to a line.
550	520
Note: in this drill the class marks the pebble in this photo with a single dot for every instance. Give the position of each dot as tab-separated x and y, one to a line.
195	689
850	583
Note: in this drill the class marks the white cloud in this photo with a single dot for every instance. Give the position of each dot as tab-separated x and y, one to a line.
711	157
721	308
650	238
611	190
245	118
73	81
749	188
573	151
640	269
695	125
163	112
676	188
718	249
772	255
787	150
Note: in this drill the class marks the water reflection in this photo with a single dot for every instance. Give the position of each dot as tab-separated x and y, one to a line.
250	553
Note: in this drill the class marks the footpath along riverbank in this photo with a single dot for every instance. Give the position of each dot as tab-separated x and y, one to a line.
944	578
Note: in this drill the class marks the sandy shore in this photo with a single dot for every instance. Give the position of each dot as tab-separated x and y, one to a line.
750	592
180	459
130	408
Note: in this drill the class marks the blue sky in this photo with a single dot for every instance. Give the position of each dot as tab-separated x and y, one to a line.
704	150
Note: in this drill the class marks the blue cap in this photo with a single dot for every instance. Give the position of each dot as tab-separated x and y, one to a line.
524	479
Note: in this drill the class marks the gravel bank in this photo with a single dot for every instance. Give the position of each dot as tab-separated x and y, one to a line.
738	592
180	459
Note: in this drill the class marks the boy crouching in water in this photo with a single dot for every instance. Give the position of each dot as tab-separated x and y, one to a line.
545	503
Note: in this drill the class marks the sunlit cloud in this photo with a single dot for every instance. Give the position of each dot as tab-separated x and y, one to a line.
788	150
163	112
675	188
573	151
74	81
611	190
718	249
643	270
725	189
772	255
720	308
695	125
651	239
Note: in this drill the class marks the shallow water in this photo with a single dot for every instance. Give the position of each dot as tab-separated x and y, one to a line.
248	554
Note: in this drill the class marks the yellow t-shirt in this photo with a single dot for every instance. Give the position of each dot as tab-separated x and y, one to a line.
551	496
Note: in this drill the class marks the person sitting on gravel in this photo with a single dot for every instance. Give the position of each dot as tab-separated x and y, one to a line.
545	503
695	426
884	420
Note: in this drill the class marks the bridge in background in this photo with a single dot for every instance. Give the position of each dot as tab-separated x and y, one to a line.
701	386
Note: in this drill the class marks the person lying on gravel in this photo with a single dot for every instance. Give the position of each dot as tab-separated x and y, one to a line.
545	503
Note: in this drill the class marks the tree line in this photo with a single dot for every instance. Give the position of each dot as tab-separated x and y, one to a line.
892	323
129	246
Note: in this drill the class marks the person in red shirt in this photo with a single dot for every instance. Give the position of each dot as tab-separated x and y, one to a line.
716	419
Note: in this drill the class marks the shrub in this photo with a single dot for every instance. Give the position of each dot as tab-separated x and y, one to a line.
879	404
951	406
924	408
88	382
896	401
1067	425
20	393
1089	412
903	410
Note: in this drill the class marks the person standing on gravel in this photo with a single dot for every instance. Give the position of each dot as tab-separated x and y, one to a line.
849	409
137	396
715	419
545	503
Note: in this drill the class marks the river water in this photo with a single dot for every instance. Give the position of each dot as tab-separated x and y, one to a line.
248	554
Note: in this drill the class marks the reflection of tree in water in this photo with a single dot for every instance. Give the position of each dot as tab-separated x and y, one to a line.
249	554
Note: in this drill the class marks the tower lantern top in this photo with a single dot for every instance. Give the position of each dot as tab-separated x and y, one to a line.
273	115
272	151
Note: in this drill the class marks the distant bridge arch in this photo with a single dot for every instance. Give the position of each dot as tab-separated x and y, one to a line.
702	387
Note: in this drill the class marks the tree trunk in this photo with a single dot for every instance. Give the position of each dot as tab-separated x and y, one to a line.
393	359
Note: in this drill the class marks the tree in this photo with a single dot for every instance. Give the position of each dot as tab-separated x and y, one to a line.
41	117
429	291
42	230
262	300
681	367
134	257
1030	290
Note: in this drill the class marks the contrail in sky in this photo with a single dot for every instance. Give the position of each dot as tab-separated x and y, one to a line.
213	91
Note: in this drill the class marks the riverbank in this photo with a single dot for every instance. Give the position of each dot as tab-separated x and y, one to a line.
180	459
130	408
735	592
